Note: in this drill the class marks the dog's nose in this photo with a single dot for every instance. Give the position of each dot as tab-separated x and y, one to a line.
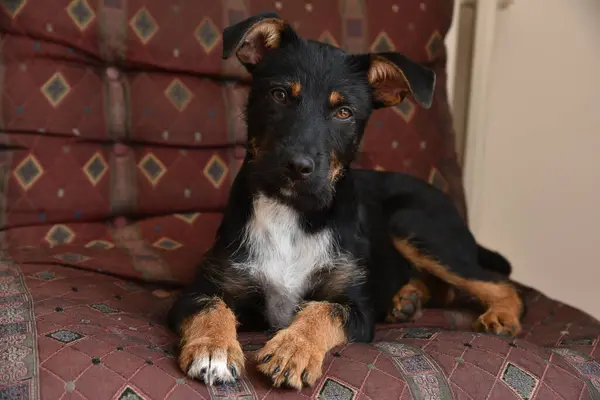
301	166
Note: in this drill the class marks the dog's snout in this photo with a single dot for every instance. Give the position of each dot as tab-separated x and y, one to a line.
301	166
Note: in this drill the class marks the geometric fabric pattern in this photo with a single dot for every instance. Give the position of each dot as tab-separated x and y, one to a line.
56	89
519	380
207	35
95	168
179	95
406	109
188	217
327	37
437	180
46	276
216	170
81	13
166	244
59	234
130	394
65	336
28	172
71	258
152	168
435	45
143	25
12	7
99	244
89	337
104	308
334	390
382	43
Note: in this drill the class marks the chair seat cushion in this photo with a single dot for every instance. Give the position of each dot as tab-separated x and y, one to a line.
71	333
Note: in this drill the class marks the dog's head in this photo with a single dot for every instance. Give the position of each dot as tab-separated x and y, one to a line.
309	105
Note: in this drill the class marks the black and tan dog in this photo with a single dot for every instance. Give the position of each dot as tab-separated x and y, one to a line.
308	247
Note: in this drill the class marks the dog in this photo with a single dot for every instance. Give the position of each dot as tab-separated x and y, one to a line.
309	248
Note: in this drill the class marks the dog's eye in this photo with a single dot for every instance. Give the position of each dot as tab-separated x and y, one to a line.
279	94
343	113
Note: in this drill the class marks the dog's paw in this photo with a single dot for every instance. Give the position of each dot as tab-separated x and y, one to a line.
406	305
212	362
499	321
291	359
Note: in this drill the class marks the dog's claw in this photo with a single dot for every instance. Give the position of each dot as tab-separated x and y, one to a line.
304	376
266	358
295	361
408	309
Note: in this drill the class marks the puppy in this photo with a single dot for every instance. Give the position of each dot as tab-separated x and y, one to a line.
308	247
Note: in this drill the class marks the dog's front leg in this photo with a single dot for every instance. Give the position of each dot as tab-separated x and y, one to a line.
294	356
209	349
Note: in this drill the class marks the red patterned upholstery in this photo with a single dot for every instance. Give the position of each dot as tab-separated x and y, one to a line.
121	133
82	335
115	108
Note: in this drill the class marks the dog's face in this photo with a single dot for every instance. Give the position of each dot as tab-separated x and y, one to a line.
309	105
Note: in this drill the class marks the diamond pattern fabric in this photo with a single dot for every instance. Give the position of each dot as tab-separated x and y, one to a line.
28	171
180	114
207	34
519	380
65	336
94	328
56	89
144	25
12	7
81	13
95	168
122	140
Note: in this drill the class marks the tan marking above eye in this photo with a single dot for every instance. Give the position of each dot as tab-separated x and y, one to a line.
296	88
335	98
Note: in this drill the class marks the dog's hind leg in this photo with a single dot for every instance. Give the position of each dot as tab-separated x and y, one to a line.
408	302
449	253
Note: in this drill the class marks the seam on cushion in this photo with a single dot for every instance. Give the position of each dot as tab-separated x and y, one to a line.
113	31
146	261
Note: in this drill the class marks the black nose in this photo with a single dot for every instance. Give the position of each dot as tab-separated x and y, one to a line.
301	166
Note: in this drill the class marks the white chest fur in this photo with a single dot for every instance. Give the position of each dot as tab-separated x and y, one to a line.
282	256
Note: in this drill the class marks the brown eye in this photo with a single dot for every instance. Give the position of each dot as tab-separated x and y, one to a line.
343	113
279	94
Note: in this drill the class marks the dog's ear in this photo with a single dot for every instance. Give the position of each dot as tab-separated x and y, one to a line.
393	76
251	38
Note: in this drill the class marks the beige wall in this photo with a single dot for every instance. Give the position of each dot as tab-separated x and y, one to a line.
539	177
451	44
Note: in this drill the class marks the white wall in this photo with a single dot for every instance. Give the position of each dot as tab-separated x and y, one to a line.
451	44
539	178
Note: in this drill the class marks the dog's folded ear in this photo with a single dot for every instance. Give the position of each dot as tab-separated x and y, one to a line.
251	38
393	76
